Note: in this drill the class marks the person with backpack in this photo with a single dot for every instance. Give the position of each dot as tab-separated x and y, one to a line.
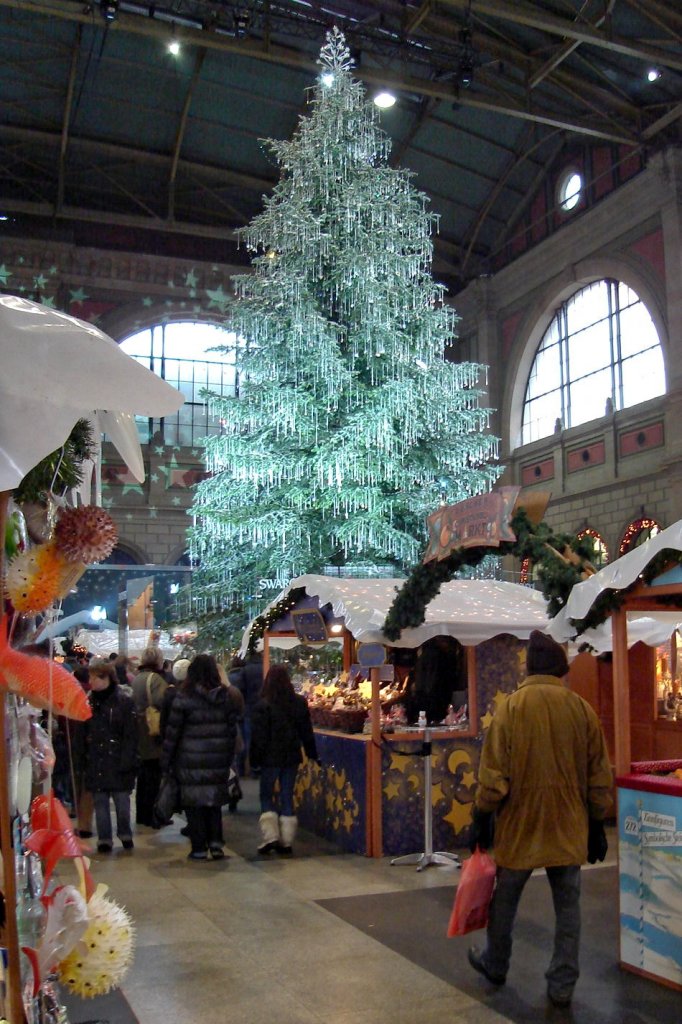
149	688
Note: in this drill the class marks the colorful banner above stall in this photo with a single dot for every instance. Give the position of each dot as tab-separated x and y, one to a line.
476	522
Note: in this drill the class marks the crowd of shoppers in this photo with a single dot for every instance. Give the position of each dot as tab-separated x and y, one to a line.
213	726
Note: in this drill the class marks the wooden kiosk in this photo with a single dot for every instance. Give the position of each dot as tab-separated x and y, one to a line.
368	796
649	794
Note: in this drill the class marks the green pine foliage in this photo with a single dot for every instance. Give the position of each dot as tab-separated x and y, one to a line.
352	420
60	471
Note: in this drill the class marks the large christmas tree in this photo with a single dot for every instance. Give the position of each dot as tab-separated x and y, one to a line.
350	425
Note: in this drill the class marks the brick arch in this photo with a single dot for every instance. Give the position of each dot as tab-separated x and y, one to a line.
133	550
125	321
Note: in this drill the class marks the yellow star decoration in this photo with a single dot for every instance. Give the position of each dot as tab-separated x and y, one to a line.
399	762
391	790
468	778
499	698
459	816
347	822
329	801
486	719
414	781
437	794
340	779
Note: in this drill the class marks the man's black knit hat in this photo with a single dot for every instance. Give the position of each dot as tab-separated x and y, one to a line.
545	657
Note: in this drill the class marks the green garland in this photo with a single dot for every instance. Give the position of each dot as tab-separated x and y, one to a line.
557	576
263	622
61	470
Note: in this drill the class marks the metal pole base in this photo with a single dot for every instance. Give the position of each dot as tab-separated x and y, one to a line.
425	860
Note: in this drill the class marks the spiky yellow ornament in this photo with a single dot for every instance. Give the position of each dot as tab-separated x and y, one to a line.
100	960
85	534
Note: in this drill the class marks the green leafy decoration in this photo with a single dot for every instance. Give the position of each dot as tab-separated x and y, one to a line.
61	470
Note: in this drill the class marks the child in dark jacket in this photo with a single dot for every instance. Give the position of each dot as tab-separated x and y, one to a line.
106	750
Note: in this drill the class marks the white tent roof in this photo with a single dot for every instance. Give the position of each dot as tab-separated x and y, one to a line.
469	610
651	627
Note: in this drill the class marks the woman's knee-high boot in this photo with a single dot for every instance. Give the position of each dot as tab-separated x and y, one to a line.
269	828
287	831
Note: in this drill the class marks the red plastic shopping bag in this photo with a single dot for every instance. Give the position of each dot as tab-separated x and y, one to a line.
473	895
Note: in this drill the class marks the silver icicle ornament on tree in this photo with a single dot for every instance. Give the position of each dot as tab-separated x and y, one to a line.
351	423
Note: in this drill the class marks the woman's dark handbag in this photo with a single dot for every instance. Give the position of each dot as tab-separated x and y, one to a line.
166	801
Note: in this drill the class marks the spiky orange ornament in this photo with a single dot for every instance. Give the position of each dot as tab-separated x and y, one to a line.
34	578
86	534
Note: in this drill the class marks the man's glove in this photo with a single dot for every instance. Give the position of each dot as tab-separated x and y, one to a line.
482	830
597	844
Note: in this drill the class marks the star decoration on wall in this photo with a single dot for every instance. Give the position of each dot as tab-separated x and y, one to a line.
486	719
191	279
78	296
391	790
218	298
132	488
437	794
5	274
459	815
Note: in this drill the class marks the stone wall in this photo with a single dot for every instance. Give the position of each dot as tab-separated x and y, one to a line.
619	466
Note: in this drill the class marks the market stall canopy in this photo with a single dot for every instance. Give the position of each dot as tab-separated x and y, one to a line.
650	627
57	369
469	610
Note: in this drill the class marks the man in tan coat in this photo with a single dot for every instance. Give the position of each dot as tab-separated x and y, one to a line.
545	786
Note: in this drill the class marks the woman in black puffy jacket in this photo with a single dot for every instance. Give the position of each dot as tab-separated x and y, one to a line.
198	749
280	727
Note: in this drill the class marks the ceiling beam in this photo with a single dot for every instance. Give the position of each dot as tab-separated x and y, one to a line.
415	21
565	51
151	223
182	126
522	154
134	155
662	14
255	50
521	13
66	118
663	122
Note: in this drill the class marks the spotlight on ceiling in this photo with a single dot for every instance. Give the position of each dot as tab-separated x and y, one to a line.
384	99
467	60
174	47
109	10
241	20
653	74
465	72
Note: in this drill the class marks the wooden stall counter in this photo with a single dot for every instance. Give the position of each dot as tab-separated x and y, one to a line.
650	870
335	800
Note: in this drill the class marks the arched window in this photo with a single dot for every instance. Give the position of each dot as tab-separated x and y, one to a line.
601	552
181	353
638	532
600	351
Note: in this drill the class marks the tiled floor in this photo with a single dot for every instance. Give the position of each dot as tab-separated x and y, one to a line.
244	940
